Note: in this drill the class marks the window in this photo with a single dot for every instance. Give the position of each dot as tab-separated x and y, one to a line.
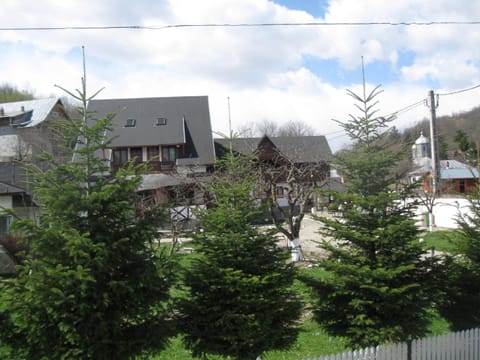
169	153
153	152
153	157
120	157
5	221
130	123
280	191
136	154
161	121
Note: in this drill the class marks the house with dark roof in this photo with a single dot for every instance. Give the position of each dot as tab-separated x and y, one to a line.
299	149
311	153
172	135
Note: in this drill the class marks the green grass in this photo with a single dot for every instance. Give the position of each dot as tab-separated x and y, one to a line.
312	340
441	240
438	325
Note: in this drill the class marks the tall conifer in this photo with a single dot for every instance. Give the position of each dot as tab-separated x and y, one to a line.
377	289
95	284
460	304
239	302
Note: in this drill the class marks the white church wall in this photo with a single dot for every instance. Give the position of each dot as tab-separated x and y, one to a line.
446	211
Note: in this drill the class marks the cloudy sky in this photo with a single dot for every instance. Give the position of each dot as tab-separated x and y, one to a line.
277	73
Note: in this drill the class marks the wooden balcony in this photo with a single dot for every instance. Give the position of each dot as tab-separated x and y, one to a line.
153	166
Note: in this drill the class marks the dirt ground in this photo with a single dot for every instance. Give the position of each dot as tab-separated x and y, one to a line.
309	238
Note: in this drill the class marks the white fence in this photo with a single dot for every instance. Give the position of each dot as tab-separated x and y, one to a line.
463	345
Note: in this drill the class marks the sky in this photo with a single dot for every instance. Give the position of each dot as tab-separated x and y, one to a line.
251	74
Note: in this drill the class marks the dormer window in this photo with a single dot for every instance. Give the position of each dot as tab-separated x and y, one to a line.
130	123
161	121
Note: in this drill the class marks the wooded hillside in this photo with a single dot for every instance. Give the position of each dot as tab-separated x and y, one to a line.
447	127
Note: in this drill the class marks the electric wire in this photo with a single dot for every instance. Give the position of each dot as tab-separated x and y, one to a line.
460	91
341	133
280	24
207	25
409	107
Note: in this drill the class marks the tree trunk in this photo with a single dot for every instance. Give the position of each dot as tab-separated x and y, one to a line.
295	249
431	220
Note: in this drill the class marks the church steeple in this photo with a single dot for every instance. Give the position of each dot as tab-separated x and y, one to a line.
421	150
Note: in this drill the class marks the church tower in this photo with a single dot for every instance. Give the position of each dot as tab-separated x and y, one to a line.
421	151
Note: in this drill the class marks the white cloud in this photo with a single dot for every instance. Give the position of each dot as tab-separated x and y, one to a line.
261	69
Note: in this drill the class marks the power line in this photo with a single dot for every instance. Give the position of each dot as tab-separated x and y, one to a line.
341	133
409	107
460	91
206	25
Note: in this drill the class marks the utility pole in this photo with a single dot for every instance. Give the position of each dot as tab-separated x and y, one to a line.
434	144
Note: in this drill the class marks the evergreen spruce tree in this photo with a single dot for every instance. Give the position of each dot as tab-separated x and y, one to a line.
377	289
462	287
95	285
239	302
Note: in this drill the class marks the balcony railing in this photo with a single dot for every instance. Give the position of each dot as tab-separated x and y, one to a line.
153	166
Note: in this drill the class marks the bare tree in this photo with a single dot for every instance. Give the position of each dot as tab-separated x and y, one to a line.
296	128
264	127
247	129
267	127
289	188
428	199
273	129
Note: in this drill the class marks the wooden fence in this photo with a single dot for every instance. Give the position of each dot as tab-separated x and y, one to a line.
462	345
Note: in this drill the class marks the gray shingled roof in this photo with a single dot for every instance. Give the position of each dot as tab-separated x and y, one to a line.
297	148
186	117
